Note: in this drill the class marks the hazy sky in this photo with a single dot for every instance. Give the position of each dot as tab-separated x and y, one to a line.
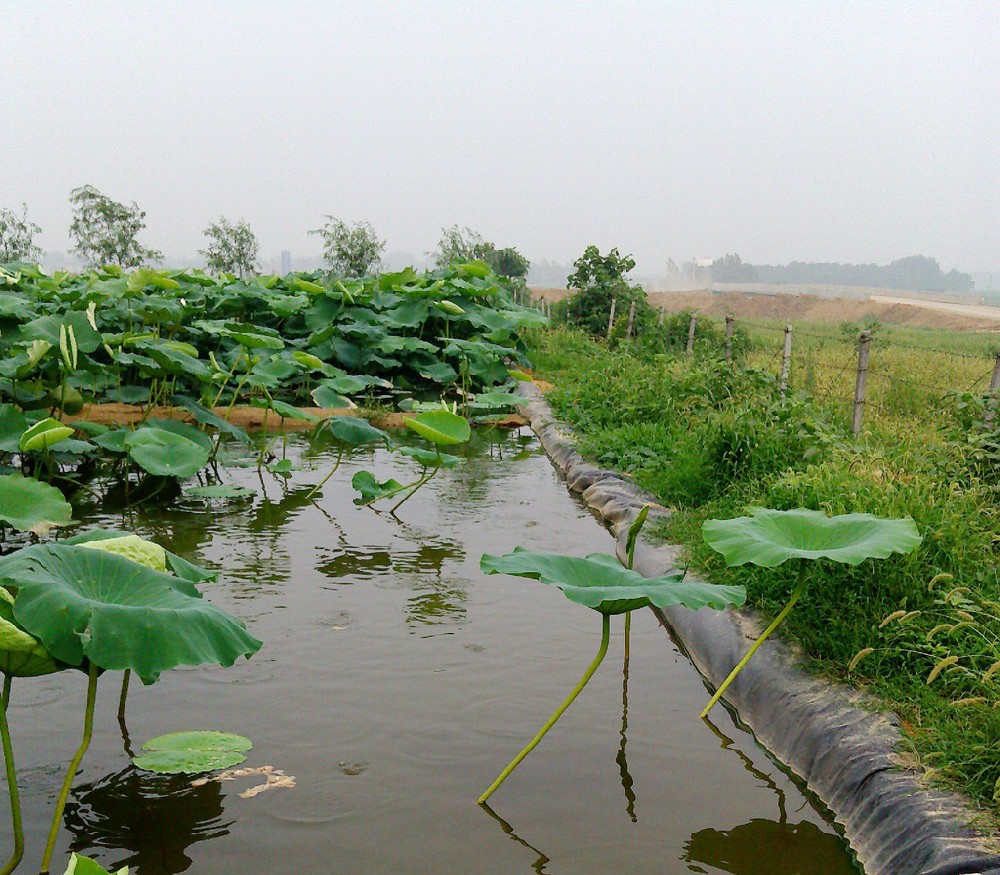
817	131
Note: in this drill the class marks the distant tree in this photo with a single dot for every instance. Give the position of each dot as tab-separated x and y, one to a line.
106	231
599	280
231	248
732	269
510	263
464	244
350	249
17	236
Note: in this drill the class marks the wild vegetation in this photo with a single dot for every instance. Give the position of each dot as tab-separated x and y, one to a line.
711	440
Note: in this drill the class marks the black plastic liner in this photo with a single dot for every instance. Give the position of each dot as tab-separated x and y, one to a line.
845	753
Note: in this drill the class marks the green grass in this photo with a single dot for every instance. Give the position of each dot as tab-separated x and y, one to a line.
709	440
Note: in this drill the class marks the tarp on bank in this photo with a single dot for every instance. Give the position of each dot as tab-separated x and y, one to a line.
845	753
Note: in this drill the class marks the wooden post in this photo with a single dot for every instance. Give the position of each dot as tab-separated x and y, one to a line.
730	319
864	348
786	357
690	346
611	318
991	403
631	321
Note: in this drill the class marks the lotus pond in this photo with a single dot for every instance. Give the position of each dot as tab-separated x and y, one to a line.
395	680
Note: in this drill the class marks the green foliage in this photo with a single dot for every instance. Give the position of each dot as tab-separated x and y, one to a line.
440	427
85	866
231	248
28	505
106	232
17	236
458	245
193	752
351	250
599	280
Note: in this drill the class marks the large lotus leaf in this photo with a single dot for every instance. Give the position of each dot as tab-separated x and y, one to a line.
193	752
222	491
180	566
324	396
85	866
250	336
441	427
132	547
32	506
164	453
120	615
770	537
352	430
43	434
207	417
12	426
21	655
371	490
600	582
185	430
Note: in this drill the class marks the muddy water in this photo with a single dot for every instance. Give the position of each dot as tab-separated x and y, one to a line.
395	682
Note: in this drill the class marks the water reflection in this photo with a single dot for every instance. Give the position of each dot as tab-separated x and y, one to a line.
621	759
149	820
540	861
441	602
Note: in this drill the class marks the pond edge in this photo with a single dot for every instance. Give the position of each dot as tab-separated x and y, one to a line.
846	753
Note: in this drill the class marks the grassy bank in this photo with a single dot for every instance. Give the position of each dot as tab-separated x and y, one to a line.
711	439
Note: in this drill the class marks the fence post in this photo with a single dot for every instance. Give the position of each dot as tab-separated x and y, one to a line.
991	402
694	321
730	319
786	356
663	314
631	320
864	348
611	318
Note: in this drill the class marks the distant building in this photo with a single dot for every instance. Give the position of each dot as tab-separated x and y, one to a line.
286	261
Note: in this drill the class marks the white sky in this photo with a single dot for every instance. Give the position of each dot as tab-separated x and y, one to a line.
812	131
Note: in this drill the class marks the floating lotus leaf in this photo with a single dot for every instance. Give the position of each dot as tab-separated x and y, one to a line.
193	752
770	537
165	453
21	655
225	491
32	506
600	582
85	866
352	430
440	427
120	615
43	435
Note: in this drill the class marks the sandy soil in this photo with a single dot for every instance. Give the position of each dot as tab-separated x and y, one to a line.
809	308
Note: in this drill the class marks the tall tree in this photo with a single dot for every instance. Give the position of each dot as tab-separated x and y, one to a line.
106	232
231	248
17	236
350	249
464	244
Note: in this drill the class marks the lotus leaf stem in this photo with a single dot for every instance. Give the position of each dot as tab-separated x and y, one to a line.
15	800
88	731
417	485
628	631
799	588
605	637
124	696
321	483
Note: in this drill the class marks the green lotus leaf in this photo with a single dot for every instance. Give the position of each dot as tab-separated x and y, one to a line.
85	866
193	752
132	547
165	453
439	372
91	604
12	426
430	457
180	566
285	411
770	537
441	427
600	582
352	430
497	399
371	490
250	336
32	506
207	417
185	430
21	655
324	396
226	491
43	435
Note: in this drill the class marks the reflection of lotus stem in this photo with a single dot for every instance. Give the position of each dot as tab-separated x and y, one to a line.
319	485
417	484
124	696
605	636
15	801
88	731
799	587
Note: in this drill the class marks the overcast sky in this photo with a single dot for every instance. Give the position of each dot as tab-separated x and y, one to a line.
814	131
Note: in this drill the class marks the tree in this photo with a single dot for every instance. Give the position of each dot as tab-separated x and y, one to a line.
599	280
105	230
464	244
17	236
350	249
231	248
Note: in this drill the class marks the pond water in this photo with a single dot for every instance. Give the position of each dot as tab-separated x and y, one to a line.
394	684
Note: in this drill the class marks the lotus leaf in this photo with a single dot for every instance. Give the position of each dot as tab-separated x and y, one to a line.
324	396
43	435
430	457
193	752
497	399
371	490
12	426
440	427
177	564
21	655
93	604
352	430
600	582
770	537
31	506
185	430
165	453
285	411
221	491
85	866
132	547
